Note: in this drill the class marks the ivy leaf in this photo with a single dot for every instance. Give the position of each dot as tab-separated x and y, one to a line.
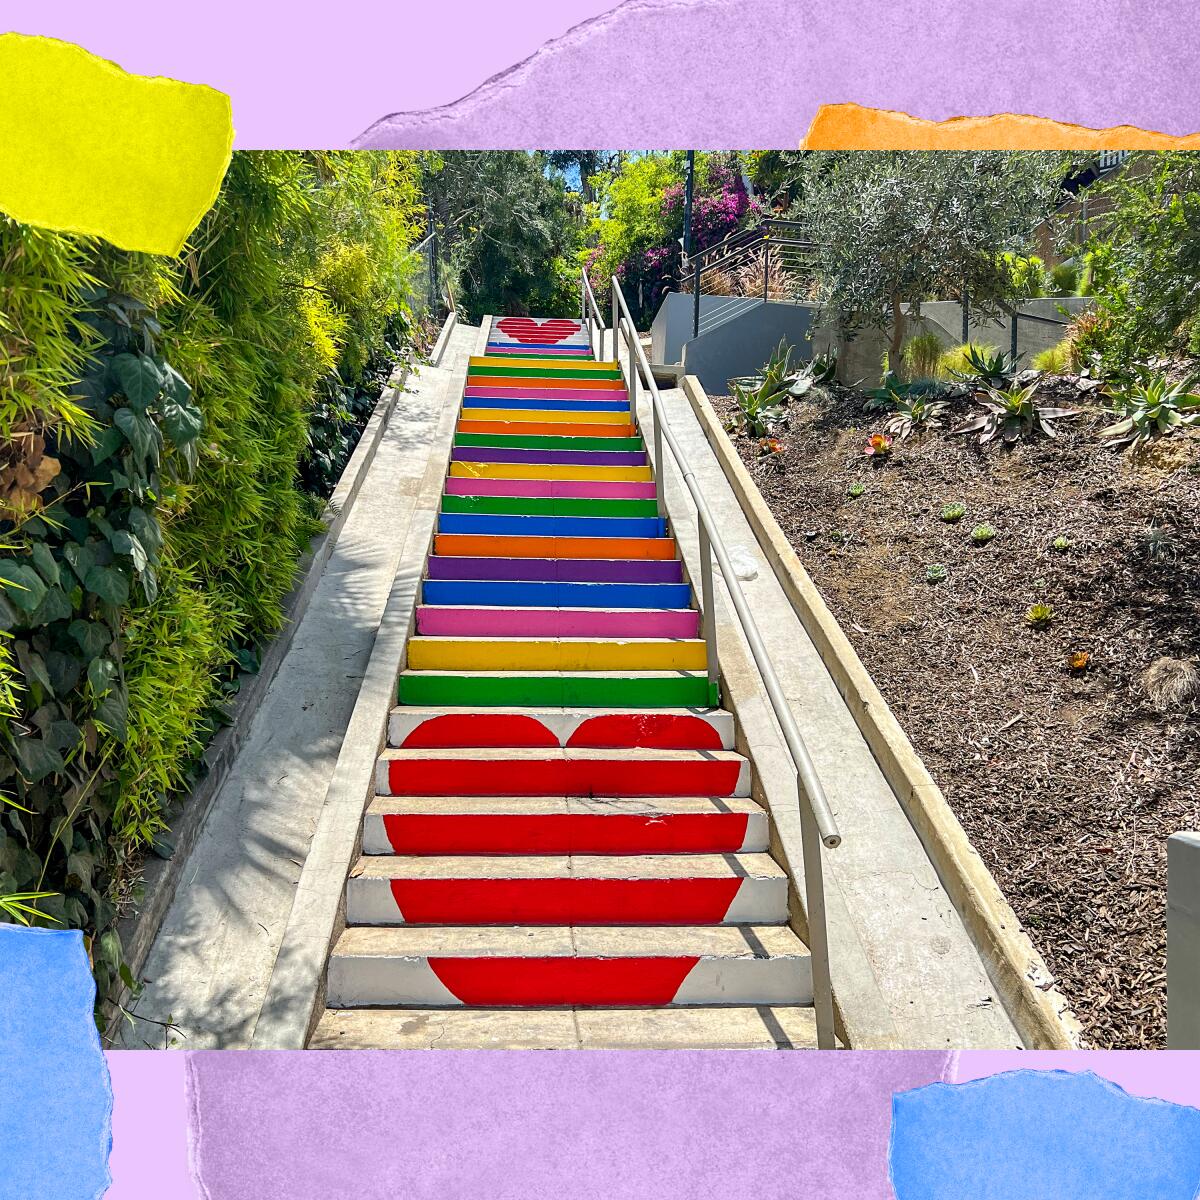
113	713
80	864
64	669
139	378
150	584
107	444
141	432
23	584
109	584
81	557
175	386
92	637
124	542
37	758
101	673
145	526
33	666
55	606
43	559
182	421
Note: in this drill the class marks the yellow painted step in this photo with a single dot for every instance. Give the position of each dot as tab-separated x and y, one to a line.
480	470
571	416
517	654
541	364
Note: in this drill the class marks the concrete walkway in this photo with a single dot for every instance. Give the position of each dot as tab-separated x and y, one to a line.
904	967
210	964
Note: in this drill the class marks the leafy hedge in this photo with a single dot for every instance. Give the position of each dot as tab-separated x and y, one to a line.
161	422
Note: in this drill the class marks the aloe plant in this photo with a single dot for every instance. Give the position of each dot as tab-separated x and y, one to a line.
988	369
1152	407
914	413
760	398
1012	414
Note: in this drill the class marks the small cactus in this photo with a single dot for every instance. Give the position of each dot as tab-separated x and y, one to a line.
855	490
952	513
1039	615
936	572
1061	544
982	534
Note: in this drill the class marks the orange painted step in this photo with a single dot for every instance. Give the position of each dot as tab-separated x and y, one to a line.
546	429
486	545
573	385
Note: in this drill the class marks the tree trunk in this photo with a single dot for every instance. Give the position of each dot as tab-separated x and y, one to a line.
895	358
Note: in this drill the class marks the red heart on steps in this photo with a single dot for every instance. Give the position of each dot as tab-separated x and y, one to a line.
526	329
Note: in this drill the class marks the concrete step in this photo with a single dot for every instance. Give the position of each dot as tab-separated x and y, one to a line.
485	470
641	889
747	1027
575	489
534	431
536	526
486	455
549	967
531	410
549	506
565	388
537	689
502	546
664	729
538	353
536	594
533	825
460	621
555	570
523	368
564	654
554	771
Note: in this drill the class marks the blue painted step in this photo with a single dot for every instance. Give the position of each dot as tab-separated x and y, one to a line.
535	526
512	594
501	400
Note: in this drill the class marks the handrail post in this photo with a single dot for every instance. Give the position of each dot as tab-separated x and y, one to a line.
696	299
616	349
766	269
818	933
708	618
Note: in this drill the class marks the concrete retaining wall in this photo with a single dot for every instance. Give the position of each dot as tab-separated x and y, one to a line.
740	346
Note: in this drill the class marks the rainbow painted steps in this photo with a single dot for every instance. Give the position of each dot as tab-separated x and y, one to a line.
560	816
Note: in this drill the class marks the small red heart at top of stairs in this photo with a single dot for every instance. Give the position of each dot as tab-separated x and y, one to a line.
526	329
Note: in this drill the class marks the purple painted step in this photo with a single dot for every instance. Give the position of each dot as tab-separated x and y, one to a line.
461	485
573	570
433	621
581	458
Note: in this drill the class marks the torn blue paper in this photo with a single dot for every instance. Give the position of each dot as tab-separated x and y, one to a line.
55	1095
1052	1134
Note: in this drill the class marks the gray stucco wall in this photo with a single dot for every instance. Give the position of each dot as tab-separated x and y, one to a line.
673	322
741	345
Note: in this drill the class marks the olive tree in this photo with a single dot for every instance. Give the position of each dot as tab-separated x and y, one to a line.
893	228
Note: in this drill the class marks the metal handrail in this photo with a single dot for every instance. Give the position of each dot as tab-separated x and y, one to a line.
817	823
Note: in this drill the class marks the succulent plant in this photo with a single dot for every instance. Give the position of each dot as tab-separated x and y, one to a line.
914	413
855	490
936	572
1039	615
878	446
1077	660
1062	543
952	513
1013	413
1150	408
982	534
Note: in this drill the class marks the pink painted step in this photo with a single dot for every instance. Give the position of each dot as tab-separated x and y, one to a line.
558	622
462	485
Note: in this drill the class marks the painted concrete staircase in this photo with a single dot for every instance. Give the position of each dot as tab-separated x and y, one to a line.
560	818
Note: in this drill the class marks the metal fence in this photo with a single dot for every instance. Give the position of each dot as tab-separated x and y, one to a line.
818	827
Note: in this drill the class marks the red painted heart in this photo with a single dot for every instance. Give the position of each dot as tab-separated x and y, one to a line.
526	329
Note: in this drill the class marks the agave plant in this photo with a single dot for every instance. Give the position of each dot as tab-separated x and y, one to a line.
987	369
1013	413
914	412
1150	408
760	398
892	390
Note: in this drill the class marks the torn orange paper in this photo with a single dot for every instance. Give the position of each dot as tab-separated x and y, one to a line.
855	127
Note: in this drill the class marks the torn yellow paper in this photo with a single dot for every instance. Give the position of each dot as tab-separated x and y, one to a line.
86	147
853	127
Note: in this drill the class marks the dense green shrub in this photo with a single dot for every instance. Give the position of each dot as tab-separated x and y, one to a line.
156	415
1144	258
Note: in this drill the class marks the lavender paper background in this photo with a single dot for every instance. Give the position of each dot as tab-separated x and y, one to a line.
645	73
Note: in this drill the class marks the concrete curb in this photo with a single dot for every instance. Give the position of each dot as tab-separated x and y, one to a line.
485	331
296	992
162	876
1038	1010
443	338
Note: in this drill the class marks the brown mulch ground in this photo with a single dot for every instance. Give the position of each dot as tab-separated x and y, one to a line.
1068	782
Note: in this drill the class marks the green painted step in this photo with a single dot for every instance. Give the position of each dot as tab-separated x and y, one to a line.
550	506
626	689
543	441
544	372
